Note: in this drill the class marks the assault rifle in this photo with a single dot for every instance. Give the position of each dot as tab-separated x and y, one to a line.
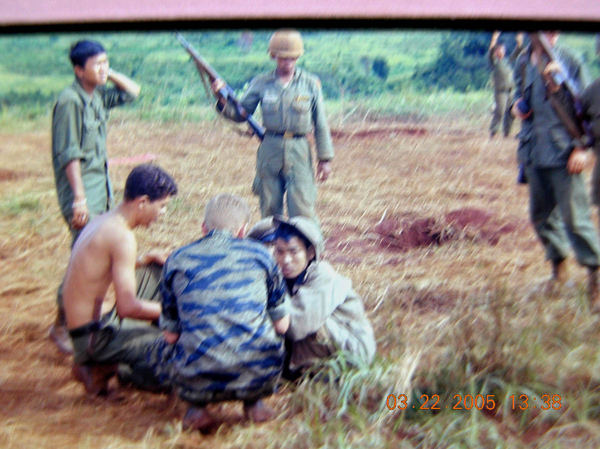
563	92
226	92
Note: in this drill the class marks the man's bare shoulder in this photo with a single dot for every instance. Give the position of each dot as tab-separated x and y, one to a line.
109	232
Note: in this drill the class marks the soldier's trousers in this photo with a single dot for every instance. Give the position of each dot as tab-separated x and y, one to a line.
560	214
502	101
284	168
124	341
595	190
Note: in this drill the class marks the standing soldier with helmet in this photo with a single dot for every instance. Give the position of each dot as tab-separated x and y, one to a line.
292	105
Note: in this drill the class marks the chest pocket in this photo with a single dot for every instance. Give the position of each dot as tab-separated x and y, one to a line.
301	113
93	120
270	104
271	110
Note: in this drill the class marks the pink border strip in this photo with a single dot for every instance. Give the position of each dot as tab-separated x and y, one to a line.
32	12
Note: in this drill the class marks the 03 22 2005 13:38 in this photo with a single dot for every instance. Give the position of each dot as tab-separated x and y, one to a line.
480	402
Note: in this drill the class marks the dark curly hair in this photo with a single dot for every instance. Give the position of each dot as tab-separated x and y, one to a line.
151	180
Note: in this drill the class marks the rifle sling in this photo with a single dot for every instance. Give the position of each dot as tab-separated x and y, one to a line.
565	118
569	123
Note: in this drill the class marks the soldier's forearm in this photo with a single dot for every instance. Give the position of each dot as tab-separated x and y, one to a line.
124	83
73	171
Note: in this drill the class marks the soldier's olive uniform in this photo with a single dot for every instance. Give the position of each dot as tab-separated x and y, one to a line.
590	102
503	84
79	132
284	161
551	186
525	134
127	341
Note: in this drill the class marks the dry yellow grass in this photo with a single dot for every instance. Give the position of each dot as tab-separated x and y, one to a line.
416	296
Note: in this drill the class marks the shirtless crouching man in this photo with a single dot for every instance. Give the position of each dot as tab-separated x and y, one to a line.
105	254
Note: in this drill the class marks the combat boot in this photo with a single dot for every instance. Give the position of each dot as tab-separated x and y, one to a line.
552	285
94	378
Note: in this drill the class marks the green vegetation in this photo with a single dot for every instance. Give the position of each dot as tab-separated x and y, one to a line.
470	384
367	69
17	205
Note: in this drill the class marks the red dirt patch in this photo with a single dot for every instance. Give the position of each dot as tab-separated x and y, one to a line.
9	175
483	223
401	234
406	233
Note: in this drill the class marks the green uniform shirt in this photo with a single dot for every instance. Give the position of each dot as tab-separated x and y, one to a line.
296	107
79	132
590	102
501	73
552	143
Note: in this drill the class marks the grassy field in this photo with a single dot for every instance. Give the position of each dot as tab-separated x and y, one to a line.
34	68
423	213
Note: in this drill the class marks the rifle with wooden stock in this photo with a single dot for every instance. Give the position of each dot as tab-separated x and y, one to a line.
563	91
205	69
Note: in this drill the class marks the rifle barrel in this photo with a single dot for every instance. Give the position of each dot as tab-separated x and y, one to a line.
226	92
198	59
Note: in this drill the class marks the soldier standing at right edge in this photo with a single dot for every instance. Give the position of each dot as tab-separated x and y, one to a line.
291	103
590	104
554	170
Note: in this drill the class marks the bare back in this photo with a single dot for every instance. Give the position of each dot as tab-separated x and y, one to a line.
105	252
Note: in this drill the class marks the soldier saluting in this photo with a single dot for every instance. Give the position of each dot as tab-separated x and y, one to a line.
292	106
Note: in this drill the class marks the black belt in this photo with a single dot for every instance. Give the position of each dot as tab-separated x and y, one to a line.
92	326
285	134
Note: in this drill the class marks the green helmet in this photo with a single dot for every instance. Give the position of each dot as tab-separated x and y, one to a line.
286	43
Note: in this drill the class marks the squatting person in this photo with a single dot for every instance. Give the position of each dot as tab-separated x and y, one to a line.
226	307
105	255
327	315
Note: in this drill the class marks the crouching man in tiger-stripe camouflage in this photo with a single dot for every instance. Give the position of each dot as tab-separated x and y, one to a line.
226	309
